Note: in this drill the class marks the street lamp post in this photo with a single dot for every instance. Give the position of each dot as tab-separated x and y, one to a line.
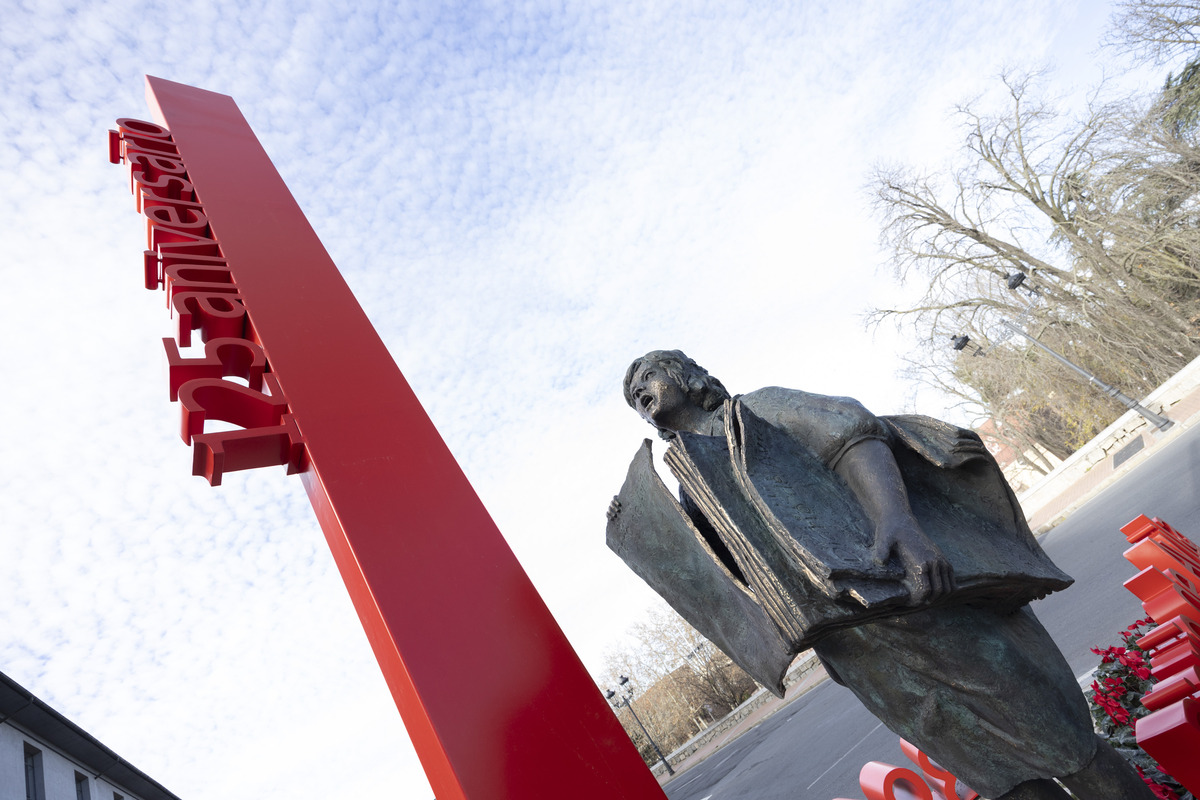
1161	422
624	700
1014	282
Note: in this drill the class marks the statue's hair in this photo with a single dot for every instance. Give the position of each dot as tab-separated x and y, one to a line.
695	380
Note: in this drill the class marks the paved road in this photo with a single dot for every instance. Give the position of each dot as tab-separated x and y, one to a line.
1088	546
815	747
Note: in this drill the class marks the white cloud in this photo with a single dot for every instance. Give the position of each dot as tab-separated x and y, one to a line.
523	200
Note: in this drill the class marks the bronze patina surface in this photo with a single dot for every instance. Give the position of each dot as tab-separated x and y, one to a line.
892	546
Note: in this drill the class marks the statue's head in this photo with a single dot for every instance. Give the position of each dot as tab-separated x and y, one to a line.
695	386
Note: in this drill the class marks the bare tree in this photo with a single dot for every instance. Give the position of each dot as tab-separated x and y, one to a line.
683	683
1099	213
1156	32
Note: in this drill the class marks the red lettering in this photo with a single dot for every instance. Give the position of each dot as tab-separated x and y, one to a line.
1149	553
171	259
881	781
115	156
140	127
153	166
222	358
197	278
167	187
270	436
1168	586
1172	603
184	207
1183	583
1137	528
1147	584
154	277
131	143
184	256
161	266
213	398
216	314
177	242
1173	689
937	777
1172	646
1166	533
1181	550
214	454
1163	595
148	137
1179	627
1142	527
1171	736
177	215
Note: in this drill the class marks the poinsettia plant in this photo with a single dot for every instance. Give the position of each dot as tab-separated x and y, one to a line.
1116	703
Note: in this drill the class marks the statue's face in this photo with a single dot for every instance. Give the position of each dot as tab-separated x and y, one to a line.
657	397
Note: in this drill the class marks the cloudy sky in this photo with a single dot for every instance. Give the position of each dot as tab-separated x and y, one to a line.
523	200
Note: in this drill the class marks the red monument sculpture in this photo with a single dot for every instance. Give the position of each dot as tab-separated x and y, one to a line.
1168	585
497	703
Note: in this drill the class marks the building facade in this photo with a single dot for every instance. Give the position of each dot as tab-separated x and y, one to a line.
45	756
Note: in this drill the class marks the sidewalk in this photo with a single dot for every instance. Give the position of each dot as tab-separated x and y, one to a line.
1044	512
1128	441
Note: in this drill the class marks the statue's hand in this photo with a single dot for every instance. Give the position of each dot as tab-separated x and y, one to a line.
927	572
614	508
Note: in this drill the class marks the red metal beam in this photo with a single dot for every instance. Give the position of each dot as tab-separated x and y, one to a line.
496	701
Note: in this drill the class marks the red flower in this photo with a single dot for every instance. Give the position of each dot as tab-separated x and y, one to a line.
1121	679
1160	791
1132	659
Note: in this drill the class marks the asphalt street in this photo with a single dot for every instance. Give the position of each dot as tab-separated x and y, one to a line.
815	746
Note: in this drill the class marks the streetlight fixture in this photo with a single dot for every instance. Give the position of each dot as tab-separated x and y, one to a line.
626	694
1014	282
961	341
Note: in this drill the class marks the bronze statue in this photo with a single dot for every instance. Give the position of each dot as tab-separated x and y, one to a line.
892	546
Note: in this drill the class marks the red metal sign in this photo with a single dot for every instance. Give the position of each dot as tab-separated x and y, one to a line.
497	703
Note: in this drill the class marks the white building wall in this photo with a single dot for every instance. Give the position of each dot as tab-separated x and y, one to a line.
59	775
58	771
12	764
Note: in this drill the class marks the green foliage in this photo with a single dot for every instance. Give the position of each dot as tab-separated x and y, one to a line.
1181	100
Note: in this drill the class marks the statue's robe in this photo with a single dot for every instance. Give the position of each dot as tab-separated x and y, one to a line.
769	553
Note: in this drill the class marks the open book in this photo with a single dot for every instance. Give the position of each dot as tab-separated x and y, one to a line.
777	549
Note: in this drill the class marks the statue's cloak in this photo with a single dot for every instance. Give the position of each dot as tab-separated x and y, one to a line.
770	549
